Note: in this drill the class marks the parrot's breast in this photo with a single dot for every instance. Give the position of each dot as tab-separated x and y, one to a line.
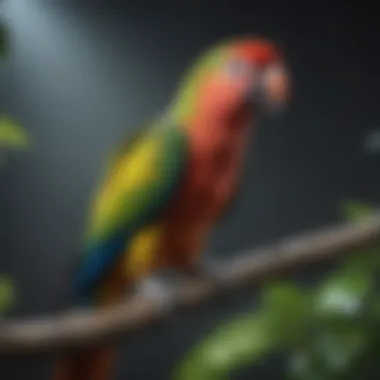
205	191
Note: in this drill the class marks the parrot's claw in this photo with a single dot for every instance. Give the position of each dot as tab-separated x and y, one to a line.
160	292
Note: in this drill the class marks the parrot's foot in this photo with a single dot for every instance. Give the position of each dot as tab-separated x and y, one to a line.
160	292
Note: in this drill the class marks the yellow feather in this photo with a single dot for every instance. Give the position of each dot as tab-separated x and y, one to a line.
134	170
140	258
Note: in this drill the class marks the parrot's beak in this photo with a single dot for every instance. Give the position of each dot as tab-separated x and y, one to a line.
273	91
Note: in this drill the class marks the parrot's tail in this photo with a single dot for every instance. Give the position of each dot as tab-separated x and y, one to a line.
89	364
94	363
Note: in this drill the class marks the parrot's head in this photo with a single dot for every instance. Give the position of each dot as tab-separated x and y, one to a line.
247	73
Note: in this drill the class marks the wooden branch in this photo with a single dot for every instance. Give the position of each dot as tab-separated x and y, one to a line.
77	329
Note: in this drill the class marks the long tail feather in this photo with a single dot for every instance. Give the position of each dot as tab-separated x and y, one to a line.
94	363
91	364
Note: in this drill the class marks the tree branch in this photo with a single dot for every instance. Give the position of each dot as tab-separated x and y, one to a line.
77	329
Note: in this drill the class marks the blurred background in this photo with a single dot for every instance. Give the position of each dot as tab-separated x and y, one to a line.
80	75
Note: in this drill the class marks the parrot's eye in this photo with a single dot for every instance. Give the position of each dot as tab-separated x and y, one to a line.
238	68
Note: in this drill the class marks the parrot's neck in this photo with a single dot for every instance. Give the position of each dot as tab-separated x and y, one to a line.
232	130
187	117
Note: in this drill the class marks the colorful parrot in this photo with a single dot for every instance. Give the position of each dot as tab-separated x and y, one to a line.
166	188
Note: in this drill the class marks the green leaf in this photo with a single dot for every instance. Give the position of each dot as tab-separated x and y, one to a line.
355	211
366	365
375	310
11	135
329	355
339	349
343	295
289	312
306	365
366	261
243	341
6	293
285	318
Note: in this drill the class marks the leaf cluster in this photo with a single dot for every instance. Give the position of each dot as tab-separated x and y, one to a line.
328	332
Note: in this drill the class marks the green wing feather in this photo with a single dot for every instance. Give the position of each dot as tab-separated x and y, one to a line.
138	187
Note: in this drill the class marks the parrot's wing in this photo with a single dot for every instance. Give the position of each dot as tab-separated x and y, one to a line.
124	147
138	187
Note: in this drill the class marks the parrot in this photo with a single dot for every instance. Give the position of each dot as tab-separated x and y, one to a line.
165	188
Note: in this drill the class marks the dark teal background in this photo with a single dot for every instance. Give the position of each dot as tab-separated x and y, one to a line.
82	74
